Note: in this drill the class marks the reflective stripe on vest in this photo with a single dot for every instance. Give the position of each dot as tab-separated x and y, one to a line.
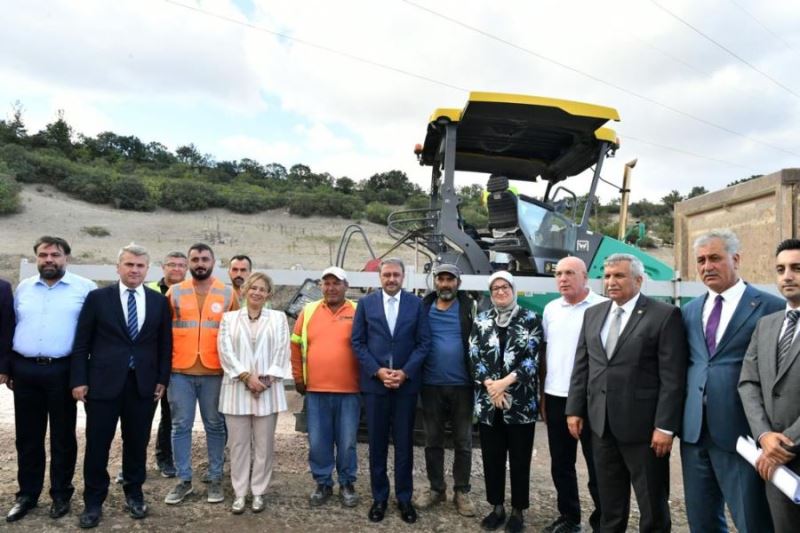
302	339
195	330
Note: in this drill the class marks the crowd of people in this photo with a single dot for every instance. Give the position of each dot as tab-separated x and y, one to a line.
621	374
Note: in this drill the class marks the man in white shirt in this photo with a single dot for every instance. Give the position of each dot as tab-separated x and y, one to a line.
562	320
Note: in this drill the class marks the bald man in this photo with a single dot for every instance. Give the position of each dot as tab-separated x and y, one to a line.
562	320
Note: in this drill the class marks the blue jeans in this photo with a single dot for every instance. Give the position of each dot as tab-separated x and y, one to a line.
184	392
332	419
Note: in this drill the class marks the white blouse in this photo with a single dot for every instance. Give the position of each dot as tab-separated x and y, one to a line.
268	355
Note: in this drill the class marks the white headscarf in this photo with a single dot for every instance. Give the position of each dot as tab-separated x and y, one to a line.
506	312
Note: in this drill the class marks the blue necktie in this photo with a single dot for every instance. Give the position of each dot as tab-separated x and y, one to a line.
133	320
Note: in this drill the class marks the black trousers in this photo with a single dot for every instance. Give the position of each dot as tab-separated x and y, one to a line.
42	393
441	404
515	442
164	435
563	453
135	416
618	466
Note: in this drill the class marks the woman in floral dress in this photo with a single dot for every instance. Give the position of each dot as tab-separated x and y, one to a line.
503	350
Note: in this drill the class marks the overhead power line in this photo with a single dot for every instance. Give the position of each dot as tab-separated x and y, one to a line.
600	80
428	79
764	26
726	49
629	137
310	44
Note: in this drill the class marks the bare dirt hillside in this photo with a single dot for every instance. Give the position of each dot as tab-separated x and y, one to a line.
274	239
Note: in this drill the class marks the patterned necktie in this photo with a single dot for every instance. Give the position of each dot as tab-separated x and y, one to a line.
613	331
713	324
133	320
788	336
391	315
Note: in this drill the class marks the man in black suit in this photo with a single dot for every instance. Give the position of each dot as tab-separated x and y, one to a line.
7	323
120	366
629	379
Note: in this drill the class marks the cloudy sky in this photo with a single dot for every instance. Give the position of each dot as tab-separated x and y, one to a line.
708	92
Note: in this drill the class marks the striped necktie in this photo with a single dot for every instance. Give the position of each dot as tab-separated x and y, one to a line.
788	336
133	320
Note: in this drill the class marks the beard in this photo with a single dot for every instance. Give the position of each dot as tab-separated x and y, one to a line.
200	276
237	282
446	295
52	272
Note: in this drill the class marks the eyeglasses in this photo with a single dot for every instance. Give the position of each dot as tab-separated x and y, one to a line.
175	265
500	288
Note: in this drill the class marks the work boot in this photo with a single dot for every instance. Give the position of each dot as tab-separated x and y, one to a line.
463	503
348	495
429	498
320	495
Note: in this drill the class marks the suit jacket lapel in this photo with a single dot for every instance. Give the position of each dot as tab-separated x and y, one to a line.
747	306
600	320
694	316
772	334
790	357
636	315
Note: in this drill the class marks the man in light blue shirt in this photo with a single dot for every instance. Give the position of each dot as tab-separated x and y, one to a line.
47	308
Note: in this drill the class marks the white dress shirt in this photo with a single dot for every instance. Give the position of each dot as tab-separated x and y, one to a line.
783	327
138	295
562	323
386	304
730	301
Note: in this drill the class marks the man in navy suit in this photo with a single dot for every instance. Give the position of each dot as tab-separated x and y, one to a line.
719	325
391	339
120	366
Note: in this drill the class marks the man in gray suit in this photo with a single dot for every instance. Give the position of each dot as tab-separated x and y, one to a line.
770	386
628	379
719	325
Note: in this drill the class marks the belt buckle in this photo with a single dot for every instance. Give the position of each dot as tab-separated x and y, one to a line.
44	361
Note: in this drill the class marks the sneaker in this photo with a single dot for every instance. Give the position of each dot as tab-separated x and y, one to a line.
348	494
215	492
167	470
463	503
258	504
238	506
552	528
181	491
320	495
429	498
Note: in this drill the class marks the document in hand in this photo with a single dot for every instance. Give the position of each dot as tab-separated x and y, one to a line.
787	481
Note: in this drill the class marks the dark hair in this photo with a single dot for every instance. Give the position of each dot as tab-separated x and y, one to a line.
242	257
52	241
176	254
788	244
201	247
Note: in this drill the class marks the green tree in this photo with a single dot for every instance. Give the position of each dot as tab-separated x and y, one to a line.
697	190
671	199
9	193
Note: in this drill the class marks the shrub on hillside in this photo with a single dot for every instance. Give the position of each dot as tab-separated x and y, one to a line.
246	199
391	197
42	166
189	195
378	213
131	193
89	187
9	195
324	203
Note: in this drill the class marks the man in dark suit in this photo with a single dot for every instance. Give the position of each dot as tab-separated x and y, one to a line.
770	387
628	379
719	325
391	339
120	366
7	323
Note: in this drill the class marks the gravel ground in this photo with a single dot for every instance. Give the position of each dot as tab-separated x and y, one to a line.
287	498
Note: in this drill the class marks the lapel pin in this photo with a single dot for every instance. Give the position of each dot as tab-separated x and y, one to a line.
640	312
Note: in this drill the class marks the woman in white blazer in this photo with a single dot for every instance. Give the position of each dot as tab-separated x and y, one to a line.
253	345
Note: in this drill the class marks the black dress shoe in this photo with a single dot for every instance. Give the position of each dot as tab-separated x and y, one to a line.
59	508
90	518
407	512
493	520
20	508
136	508
514	524
377	511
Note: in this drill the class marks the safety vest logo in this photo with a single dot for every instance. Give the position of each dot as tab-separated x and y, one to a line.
216	307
